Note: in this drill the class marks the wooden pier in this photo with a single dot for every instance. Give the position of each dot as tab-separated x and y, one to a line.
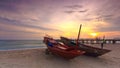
98	41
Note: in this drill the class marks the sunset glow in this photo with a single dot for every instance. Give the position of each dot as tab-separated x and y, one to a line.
93	34
32	20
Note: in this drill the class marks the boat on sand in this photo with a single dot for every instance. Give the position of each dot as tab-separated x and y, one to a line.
89	50
62	50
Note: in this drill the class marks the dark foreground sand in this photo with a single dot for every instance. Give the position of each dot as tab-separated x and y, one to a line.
36	58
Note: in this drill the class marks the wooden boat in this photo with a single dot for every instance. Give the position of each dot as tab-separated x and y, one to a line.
89	50
61	50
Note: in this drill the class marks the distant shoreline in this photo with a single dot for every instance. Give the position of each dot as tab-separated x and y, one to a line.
22	49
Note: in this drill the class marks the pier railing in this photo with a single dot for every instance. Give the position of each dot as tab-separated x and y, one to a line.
97	41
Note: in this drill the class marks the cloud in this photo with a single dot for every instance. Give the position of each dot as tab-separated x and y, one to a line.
69	12
74	11
74	6
115	22
108	29
105	16
9	5
12	30
83	11
112	24
24	24
87	19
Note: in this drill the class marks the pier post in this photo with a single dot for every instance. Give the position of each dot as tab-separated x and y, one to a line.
113	41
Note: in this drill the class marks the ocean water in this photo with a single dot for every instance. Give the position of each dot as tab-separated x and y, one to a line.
20	44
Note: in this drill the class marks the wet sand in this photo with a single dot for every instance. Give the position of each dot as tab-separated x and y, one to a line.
36	58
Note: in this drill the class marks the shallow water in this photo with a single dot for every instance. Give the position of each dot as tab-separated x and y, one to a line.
20	44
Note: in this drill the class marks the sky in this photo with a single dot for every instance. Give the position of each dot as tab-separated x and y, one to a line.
33	19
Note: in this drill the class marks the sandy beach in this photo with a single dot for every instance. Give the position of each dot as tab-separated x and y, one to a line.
36	58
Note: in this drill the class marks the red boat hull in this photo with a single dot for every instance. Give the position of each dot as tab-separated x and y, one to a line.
65	54
63	50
